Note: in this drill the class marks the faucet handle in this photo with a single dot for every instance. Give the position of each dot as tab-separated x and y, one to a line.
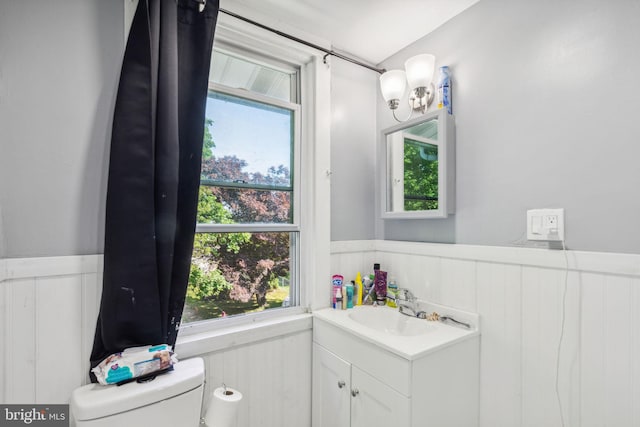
405	294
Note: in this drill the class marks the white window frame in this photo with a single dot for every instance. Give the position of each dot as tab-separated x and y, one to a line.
311	173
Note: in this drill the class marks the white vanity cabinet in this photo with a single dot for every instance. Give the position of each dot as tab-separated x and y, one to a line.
331	389
346	396
358	383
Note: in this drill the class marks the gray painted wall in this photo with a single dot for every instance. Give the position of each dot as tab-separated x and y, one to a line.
2	243
546	98
535	126
59	64
353	136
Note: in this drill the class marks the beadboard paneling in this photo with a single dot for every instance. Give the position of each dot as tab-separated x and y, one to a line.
500	309
458	284
610	352
47	340
540	333
59	338
348	264
274	377
20	349
592	387
3	335
520	296
635	355
89	307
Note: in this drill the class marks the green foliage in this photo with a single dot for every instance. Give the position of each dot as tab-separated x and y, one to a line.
207	247
420	176
274	282
238	266
206	284
200	309
207	143
211	211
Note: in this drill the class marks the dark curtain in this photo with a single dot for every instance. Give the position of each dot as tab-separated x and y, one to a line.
154	174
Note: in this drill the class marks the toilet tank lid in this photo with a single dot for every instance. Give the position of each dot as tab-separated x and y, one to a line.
95	401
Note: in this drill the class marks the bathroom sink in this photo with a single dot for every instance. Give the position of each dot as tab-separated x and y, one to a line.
392	322
405	336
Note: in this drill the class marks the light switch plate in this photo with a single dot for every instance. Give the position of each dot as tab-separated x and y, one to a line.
545	224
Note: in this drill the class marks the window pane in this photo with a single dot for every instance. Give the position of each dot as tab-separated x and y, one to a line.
236	273
239	73
247	142
231	205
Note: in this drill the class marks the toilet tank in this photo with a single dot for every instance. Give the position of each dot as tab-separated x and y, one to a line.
171	399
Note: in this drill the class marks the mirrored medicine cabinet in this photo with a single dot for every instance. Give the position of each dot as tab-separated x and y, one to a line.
417	163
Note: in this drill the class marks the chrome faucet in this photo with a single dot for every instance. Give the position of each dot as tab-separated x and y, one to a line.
407	302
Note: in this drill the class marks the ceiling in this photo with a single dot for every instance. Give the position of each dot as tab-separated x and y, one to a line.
372	30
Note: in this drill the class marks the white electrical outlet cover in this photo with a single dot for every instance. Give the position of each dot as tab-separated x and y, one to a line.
545	224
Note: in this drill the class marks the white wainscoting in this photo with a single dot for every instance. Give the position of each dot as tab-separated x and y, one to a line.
519	295
48	310
274	377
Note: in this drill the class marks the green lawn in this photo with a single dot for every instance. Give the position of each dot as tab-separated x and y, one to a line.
196	309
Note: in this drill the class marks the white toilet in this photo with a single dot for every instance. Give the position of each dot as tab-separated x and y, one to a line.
171	399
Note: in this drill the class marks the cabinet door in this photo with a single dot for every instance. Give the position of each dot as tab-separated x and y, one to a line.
375	404
331	386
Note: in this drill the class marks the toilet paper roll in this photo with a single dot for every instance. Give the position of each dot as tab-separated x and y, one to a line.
223	406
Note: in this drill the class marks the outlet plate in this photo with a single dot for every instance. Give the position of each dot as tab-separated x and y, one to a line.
545	224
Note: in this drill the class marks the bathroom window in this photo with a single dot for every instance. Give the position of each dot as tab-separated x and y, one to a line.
246	257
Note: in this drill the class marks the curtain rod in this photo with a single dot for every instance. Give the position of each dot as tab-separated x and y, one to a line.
304	42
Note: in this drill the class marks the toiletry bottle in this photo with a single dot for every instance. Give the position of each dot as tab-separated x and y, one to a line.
344	297
338	298
336	281
374	294
350	289
368	294
444	89
392	293
381	287
358	291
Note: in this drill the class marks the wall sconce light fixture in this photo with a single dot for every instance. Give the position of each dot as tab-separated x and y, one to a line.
419	73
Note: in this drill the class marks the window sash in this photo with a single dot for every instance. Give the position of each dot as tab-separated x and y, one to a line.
292	228
295	159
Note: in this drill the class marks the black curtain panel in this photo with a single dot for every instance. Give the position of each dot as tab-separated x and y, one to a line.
154	174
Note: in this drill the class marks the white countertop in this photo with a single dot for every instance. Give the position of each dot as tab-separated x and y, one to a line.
439	335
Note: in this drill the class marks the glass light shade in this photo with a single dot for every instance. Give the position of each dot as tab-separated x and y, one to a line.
393	84
420	70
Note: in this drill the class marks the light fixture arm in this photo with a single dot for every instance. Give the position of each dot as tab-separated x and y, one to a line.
419	100
393	112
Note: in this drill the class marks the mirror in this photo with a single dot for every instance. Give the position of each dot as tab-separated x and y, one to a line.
418	165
